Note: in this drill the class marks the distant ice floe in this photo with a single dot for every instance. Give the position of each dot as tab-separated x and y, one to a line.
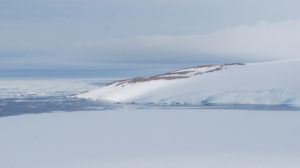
261	83
18	88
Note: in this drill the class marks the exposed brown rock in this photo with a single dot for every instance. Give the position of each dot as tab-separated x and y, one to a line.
179	74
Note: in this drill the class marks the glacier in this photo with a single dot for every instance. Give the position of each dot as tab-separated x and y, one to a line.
268	83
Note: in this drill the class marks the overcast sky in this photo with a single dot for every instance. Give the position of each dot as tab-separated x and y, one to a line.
150	36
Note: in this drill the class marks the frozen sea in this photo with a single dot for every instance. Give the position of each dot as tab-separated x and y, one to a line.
41	126
34	96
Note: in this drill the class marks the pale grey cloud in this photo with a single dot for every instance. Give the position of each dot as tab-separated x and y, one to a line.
261	41
108	33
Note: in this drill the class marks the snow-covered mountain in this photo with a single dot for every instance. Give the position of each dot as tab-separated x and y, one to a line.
272	83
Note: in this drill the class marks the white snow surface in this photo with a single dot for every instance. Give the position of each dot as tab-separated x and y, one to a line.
151	138
272	83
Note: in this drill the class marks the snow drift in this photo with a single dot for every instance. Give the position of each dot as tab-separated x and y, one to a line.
272	83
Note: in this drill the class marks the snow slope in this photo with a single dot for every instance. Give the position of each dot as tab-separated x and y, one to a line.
272	83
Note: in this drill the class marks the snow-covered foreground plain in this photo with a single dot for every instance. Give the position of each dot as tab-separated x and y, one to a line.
273	83
147	138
